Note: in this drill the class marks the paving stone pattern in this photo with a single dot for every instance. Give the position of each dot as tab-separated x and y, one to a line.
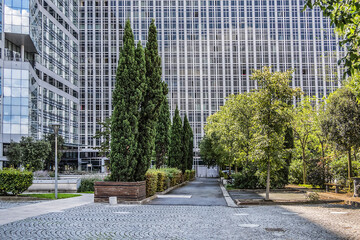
104	221
11	204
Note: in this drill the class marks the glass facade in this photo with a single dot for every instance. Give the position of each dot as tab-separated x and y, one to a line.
16	16
39	82
208	51
16	102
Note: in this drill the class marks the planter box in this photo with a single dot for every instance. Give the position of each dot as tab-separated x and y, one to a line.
124	191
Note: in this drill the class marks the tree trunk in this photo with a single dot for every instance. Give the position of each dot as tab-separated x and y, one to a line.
236	170
349	168
268	182
304	166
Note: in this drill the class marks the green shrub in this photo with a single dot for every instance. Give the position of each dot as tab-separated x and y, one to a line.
246	179
161	181
296	171
339	169
87	184
192	174
14	181
151	182
221	174
187	175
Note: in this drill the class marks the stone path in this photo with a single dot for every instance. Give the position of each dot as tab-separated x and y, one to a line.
200	192
104	221
22	212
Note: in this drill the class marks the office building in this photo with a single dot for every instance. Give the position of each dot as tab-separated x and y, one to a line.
39	70
208	50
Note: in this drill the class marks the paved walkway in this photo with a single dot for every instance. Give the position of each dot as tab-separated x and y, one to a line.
200	192
22	212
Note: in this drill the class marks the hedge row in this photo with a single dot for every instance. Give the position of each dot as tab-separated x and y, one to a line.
14	181
158	180
87	184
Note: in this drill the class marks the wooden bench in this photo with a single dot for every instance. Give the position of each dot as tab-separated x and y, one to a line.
337	186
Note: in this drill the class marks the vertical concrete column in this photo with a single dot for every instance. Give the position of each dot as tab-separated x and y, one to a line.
22	53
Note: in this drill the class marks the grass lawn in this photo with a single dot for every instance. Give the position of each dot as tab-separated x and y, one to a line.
51	195
309	186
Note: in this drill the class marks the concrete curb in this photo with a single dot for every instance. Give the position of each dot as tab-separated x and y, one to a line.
262	202
228	199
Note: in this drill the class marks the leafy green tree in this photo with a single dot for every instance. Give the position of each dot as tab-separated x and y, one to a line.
103	134
50	159
342	121
344	15
176	136
304	127
127	99
29	153
187	146
154	96
208	153
272	118
14	153
162	139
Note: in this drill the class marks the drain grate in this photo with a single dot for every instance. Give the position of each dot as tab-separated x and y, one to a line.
274	229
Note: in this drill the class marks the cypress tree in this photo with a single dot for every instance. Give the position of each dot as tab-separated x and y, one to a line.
185	144
149	110
127	98
162	139
176	139
190	156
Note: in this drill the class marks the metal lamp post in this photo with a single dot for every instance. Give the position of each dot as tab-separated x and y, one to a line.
56	127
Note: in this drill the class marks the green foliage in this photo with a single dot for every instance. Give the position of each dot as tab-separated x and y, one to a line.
29	153
87	184
162	139
161	181
208	153
50	159
192	174
127	100
344	15
175	150
187	175
151	182
271	119
246	179
342	121
339	167
187	143
296	171
104	134
14	181
318	172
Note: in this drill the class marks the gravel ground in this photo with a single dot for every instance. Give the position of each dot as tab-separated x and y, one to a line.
103	221
11	204
341	219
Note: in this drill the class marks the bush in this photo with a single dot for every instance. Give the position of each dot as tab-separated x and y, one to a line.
339	169
312	196
246	179
174	175
187	175
296	171
151	182
87	184
161	181
317	173
192	174
14	181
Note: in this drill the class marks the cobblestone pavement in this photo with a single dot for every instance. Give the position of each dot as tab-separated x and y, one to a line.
11	204
103	221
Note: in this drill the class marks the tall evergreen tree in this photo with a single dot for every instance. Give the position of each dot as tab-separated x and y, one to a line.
187	146
127	98
162	139
190	156
153	97
176	150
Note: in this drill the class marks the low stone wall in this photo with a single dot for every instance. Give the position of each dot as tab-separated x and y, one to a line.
64	186
124	191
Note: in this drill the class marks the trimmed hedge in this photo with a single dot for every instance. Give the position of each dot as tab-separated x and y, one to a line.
158	180
87	184
14	181
187	175
192	174
151	182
